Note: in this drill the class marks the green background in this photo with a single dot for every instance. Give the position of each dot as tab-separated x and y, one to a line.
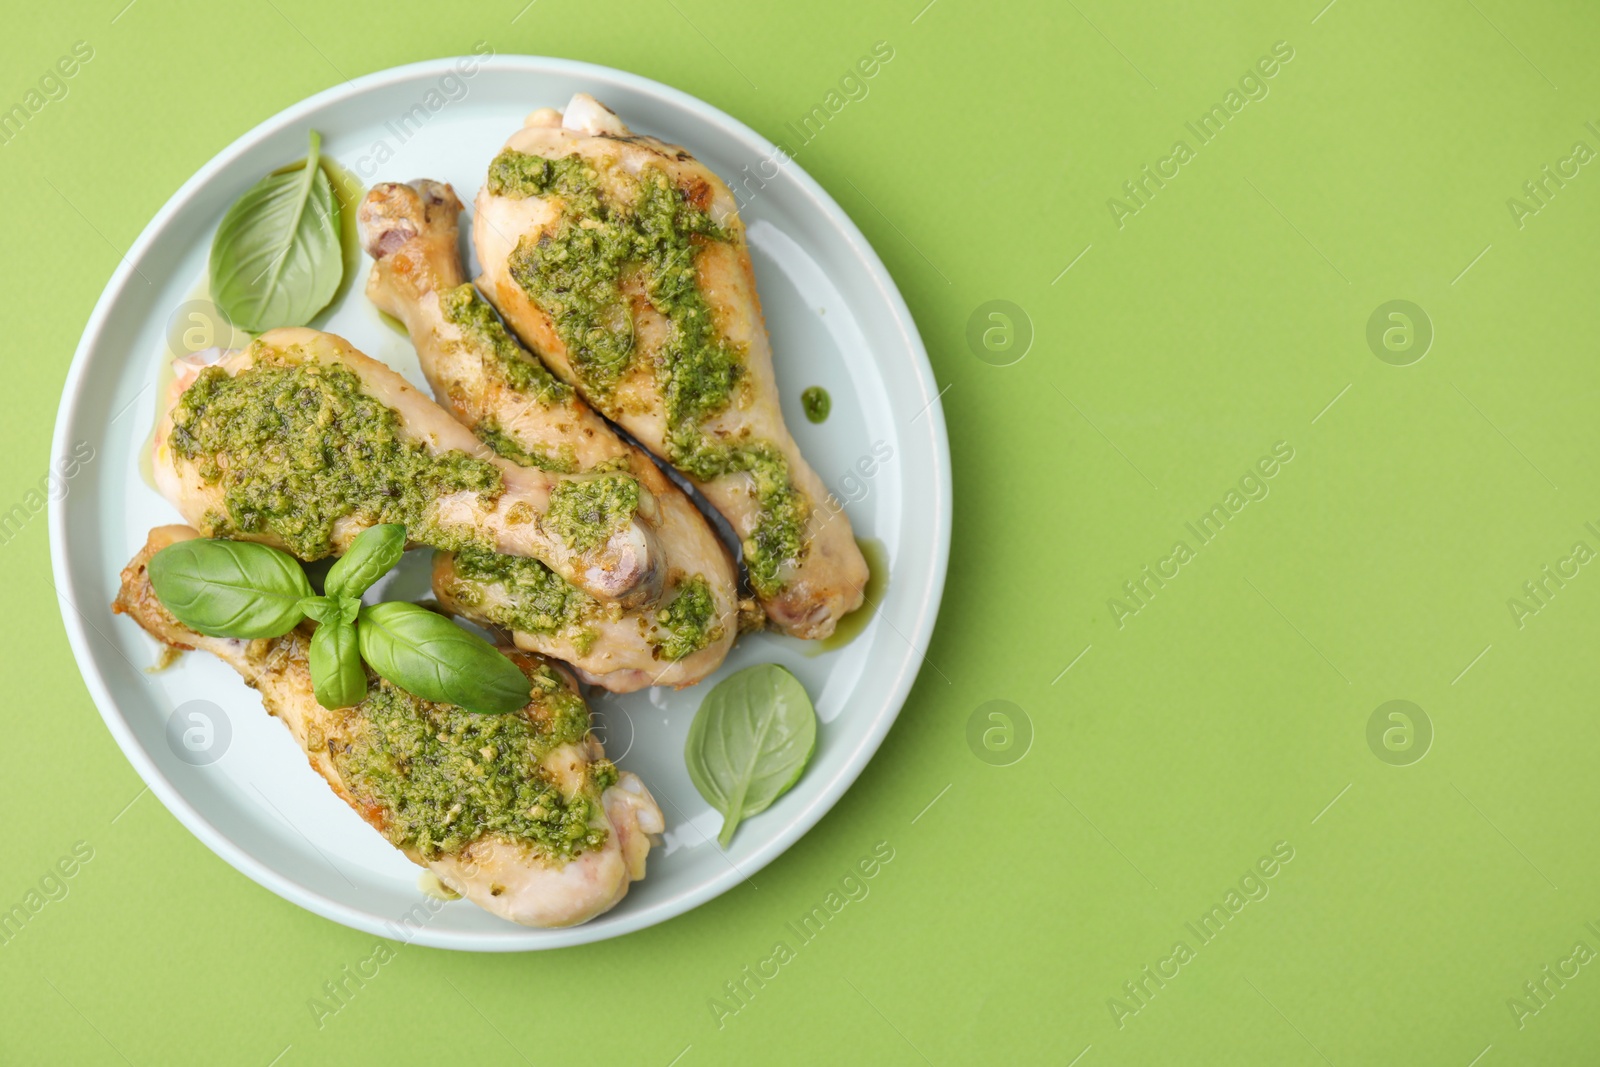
1228	715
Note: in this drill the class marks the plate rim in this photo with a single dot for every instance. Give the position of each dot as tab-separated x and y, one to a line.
512	939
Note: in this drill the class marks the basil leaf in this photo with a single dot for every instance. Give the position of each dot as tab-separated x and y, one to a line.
426	654
370	556
337	676
749	742
276	259
230	588
331	609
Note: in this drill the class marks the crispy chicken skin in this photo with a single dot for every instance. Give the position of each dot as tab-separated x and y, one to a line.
622	568
522	232
507	877
417	276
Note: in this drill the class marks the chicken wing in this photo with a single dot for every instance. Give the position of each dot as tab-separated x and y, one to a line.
521	813
621	261
301	442
514	404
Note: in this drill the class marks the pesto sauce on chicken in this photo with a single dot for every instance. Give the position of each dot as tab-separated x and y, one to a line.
533	598
444	777
586	512
297	447
469	312
650	233
688	623
561	461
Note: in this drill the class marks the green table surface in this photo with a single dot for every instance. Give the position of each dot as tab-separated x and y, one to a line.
1171	735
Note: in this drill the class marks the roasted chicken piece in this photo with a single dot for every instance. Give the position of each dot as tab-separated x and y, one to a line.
513	403
621	261
301	442
522	814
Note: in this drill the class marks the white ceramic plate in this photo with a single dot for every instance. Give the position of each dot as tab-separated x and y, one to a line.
238	781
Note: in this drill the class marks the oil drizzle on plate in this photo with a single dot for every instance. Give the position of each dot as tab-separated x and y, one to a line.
393	323
429	885
851	625
350	192
194	326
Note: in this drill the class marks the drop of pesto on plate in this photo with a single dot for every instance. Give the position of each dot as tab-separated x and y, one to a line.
817	403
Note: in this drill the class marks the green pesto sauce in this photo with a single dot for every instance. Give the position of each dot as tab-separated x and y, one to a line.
575	274
817	403
563	461
537	600
445	777
688	623
779	535
464	308
586	512
299	447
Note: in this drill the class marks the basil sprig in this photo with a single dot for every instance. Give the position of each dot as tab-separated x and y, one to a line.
245	590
